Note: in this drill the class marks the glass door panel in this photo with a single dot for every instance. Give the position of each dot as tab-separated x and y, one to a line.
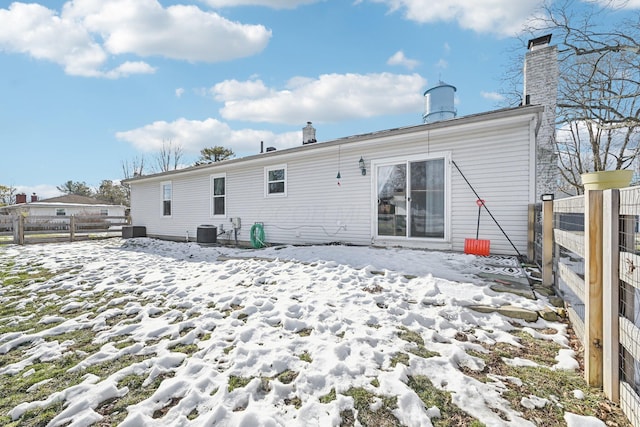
427	198
392	200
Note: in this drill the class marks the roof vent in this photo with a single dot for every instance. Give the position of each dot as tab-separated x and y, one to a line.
269	149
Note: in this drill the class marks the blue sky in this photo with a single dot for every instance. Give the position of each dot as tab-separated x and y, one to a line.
89	84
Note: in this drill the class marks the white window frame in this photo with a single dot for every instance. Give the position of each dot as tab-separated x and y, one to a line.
267	182
61	212
213	196
162	199
446	155
104	212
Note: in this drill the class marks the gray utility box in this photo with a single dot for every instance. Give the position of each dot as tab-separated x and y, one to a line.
130	231
207	234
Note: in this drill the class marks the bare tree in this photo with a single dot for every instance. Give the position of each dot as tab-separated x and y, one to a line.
598	115
133	168
7	195
169	156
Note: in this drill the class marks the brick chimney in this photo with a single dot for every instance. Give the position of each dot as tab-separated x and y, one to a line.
21	198
541	88
34	197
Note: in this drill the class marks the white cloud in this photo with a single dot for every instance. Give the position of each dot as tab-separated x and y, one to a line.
620	4
145	28
492	96
398	58
503	17
86	35
233	90
194	135
329	98
442	63
179	92
274	4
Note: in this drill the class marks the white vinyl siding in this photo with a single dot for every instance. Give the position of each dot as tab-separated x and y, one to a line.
218	196
494	154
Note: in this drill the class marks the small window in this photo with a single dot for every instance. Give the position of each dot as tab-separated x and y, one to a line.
60	212
218	195
104	212
166	198
276	181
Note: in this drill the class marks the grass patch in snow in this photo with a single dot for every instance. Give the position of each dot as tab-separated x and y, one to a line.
187	349
432	396
287	377
305	357
305	332
556	386
418	350
400	357
371	414
329	397
237	382
410	336
114	411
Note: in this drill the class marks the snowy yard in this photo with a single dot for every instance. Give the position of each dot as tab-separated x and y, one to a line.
148	333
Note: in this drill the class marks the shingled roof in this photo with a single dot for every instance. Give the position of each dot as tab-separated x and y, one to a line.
75	199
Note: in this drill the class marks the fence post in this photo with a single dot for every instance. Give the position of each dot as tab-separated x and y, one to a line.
72	228
611	294
593	283
20	236
547	242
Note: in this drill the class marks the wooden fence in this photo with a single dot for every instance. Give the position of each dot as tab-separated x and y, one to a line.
20	229
590	252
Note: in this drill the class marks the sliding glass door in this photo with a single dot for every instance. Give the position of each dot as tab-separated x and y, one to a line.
411	199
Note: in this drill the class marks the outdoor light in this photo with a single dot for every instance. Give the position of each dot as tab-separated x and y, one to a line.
363	168
547	197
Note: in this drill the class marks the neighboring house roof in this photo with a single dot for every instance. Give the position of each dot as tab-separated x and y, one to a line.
74	199
450	123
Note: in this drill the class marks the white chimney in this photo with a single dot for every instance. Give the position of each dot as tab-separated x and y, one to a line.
308	134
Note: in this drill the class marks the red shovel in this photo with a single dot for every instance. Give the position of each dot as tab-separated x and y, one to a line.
477	246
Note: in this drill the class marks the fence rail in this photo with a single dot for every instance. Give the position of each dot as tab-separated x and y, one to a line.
591	254
20	229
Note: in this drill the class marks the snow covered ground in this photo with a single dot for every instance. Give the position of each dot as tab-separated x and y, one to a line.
293	327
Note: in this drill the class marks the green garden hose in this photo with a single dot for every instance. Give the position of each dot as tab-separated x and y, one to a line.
257	236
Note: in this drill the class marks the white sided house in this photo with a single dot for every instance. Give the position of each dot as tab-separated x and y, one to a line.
415	186
67	205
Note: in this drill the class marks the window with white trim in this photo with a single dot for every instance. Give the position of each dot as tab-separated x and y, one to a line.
167	195
60	212
275	180
218	195
104	212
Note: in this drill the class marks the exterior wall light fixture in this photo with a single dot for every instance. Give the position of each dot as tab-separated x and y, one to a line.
362	166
